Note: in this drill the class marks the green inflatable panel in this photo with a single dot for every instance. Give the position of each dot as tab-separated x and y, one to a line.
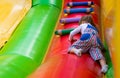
25	50
55	3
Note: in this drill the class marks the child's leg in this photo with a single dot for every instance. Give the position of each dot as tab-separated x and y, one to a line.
103	65
76	51
97	55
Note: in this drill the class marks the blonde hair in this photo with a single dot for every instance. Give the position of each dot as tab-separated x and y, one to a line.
88	19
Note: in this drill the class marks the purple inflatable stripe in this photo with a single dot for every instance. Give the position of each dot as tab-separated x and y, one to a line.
69	20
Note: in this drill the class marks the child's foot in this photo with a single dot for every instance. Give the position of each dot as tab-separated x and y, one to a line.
78	52
104	69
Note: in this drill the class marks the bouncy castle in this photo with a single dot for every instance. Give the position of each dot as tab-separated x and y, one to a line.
34	38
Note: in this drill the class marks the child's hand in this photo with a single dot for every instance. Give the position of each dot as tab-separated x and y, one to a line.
73	39
70	39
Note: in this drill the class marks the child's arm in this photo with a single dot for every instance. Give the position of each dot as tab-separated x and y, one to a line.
74	32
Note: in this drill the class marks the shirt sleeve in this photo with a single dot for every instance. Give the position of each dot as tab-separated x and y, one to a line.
74	32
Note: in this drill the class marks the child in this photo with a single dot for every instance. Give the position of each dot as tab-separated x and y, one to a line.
89	41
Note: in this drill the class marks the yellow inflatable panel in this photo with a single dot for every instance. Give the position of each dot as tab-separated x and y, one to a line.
111	28
11	13
107	20
107	6
116	36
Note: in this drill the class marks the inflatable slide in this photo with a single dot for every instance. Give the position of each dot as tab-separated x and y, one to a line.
35	41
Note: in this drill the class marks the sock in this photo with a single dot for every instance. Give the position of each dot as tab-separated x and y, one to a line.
104	69
77	52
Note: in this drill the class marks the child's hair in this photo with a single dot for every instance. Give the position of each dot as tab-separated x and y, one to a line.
88	19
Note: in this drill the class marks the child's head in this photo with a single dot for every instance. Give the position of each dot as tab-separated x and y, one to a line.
87	19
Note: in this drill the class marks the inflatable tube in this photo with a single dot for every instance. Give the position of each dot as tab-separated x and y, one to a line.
64	31
69	20
89	3
78	10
